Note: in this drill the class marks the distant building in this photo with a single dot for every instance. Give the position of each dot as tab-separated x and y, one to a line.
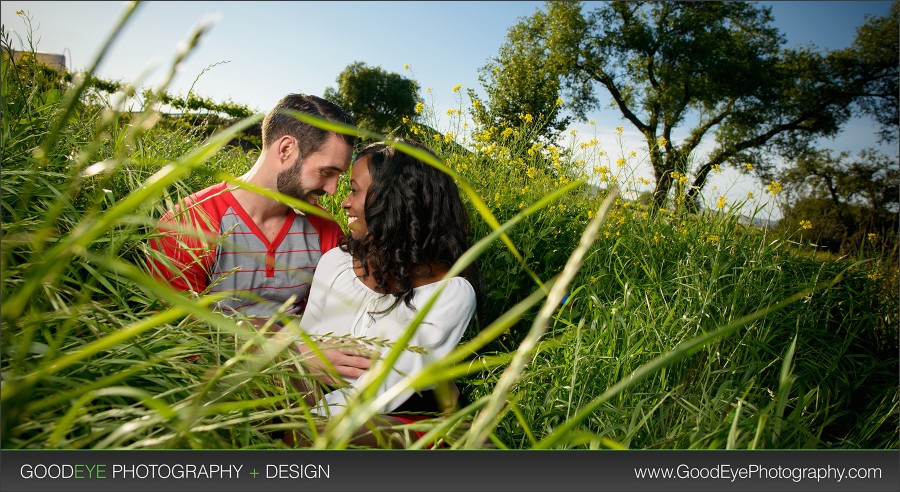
52	60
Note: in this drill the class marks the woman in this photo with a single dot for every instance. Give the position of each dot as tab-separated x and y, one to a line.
407	227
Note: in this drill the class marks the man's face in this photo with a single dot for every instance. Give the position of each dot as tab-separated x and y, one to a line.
308	179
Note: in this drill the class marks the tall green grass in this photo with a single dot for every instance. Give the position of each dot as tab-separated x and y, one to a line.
606	324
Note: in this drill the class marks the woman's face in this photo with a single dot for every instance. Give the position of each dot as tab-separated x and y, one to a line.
355	203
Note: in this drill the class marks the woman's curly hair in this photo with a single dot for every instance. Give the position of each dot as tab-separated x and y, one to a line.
415	218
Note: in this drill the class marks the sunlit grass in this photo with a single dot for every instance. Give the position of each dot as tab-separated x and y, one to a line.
606	324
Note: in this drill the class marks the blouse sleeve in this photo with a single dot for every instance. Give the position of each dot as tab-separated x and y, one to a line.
323	278
438	334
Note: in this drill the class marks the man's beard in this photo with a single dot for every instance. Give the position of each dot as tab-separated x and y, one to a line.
290	182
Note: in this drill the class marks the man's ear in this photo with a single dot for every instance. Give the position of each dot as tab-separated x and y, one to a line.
285	147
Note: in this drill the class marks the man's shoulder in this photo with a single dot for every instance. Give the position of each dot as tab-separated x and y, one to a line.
205	204
210	193
319	222
329	231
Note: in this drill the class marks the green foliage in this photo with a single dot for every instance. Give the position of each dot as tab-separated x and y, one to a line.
378	100
652	284
660	330
841	202
872	63
656	280
522	80
662	63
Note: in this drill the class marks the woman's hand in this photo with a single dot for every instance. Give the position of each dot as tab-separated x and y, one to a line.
349	360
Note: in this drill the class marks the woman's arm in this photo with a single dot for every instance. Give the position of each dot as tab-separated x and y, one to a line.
438	334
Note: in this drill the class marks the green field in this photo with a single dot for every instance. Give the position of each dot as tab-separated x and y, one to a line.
605	323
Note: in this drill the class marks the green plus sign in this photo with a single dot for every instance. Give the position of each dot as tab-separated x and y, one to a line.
254	473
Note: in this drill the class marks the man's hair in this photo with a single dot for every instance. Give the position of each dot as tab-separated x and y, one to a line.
309	138
414	216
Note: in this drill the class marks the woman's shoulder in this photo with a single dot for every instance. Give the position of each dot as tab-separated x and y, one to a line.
456	289
334	259
335	255
461	287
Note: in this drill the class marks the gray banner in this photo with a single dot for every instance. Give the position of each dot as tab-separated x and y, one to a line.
442	470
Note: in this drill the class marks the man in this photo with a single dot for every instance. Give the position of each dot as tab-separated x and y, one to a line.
257	250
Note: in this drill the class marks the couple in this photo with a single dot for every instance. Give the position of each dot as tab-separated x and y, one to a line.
406	227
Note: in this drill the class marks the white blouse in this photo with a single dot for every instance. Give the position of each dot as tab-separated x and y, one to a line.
340	304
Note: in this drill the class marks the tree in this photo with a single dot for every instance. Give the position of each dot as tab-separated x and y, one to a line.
377	99
842	198
526	85
874	60
665	64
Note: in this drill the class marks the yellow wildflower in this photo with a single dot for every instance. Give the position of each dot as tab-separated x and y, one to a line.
662	141
591	122
420	106
748	166
872	236
632	154
721	202
749	194
774	187
450	112
619	130
620	161
559	101
528	118
805	224
716	168
406	66
456	87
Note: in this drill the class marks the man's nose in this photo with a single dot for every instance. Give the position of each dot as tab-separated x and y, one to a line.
331	186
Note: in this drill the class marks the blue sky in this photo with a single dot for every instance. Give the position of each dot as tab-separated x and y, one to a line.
259	51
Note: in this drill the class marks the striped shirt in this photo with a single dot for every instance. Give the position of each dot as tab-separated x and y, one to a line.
214	246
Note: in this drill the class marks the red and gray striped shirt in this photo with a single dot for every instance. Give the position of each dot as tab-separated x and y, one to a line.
214	246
